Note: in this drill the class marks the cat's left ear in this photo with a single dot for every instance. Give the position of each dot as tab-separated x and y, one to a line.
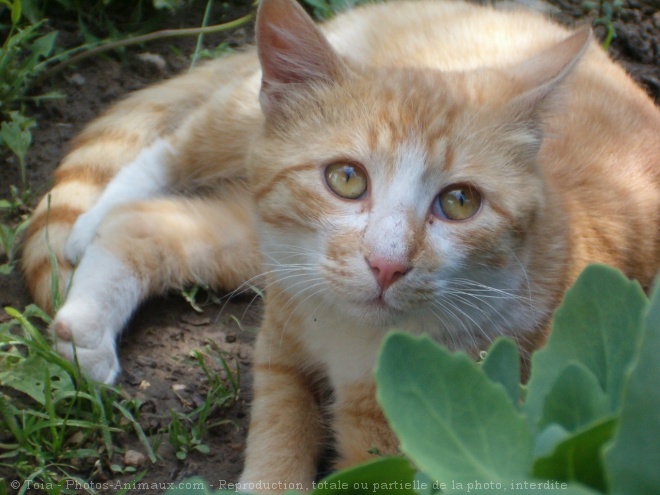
537	79
292	51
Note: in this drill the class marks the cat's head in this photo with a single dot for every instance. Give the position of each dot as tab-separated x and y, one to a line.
383	191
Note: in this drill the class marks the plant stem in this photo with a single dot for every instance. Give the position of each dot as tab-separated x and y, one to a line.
200	38
157	35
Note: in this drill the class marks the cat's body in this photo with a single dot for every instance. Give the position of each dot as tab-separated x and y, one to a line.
451	172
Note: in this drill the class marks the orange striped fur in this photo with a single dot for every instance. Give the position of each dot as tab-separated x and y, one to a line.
434	167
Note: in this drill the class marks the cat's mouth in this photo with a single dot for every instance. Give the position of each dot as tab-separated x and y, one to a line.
381	310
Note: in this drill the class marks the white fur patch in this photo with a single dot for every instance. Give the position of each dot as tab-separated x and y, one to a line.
388	234
144	178
103	295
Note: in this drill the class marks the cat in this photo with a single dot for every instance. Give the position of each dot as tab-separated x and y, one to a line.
434	167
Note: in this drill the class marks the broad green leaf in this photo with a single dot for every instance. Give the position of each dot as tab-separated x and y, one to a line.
578	457
502	365
597	325
387	475
453	422
527	487
27	377
575	399
425	485
634	457
546	441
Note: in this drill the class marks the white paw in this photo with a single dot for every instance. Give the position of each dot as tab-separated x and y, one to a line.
82	234
79	334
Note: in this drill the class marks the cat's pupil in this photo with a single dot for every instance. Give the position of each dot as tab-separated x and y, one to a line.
346	180
457	202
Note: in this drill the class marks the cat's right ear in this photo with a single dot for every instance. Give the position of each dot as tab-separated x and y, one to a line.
539	77
292	51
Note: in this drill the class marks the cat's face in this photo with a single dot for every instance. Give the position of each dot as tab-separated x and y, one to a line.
401	196
383	199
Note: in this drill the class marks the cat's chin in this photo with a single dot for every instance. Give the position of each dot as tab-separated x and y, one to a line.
375	312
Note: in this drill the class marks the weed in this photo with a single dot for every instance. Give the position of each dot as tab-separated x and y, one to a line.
55	422
325	9
9	245
187	430
606	11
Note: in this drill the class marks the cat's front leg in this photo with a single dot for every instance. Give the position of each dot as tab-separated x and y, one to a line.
361	431
103	295
286	432
146	248
147	176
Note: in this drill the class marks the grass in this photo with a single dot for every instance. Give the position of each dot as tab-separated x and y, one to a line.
55	423
187	430
59	429
605	11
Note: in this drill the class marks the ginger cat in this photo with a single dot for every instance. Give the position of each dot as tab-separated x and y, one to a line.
435	167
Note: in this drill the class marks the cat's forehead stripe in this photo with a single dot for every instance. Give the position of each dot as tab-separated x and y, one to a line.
280	176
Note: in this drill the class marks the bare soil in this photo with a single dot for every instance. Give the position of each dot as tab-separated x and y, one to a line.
155	351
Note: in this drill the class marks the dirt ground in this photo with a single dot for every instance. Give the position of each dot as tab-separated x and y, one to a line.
154	352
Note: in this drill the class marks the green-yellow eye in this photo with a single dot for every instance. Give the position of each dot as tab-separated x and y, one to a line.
346	180
457	202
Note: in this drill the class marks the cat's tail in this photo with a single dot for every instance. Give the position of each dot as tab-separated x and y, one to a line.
105	146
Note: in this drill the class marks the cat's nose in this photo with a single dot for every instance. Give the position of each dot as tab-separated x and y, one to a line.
387	271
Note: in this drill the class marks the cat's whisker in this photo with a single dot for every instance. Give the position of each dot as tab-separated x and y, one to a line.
447	309
463	298
299	303
293	295
470	318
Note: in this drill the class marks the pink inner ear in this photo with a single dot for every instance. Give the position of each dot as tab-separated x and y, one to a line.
291	48
540	75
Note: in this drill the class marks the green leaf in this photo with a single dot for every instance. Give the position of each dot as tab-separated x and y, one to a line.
40	48
204	449
26	377
633	459
16	12
575	399
502	365
598	325
578	457
390	475
542	487
546	441
16	135
453	422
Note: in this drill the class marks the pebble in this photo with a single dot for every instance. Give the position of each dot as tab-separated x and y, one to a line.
154	59
134	458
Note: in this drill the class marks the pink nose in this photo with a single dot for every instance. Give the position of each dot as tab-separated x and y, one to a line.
386	271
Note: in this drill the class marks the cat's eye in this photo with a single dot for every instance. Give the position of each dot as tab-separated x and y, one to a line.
346	180
457	202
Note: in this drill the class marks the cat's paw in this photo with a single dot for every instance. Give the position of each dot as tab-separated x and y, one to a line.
79	334
82	235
